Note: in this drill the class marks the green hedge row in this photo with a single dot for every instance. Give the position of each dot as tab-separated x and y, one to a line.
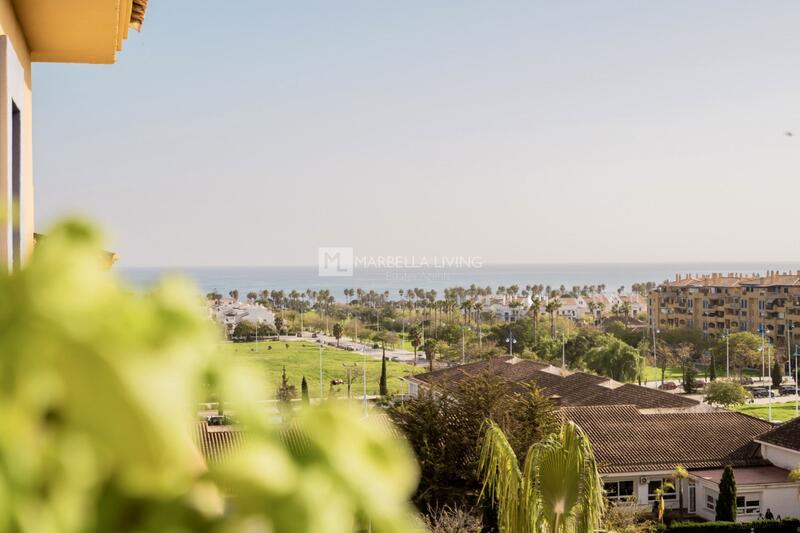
787	525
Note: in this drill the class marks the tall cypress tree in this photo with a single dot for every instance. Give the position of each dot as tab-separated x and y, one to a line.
384	390
726	503
304	390
777	373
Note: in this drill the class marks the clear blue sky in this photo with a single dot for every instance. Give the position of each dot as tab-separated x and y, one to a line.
251	132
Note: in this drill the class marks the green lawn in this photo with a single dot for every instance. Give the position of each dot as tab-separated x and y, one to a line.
653	373
781	412
302	359
676	374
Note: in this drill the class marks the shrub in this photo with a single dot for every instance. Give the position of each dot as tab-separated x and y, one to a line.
99	388
787	525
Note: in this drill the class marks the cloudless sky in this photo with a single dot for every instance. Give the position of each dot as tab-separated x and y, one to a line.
250	132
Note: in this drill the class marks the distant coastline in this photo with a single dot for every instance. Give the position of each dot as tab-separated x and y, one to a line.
612	275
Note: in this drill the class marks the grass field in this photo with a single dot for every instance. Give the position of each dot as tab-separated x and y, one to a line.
781	412
302	359
653	373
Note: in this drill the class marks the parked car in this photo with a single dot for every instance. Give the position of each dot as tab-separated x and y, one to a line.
763	392
668	385
746	380
313	335
787	390
699	384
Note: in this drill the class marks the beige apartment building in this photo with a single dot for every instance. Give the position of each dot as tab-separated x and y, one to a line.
717	304
62	31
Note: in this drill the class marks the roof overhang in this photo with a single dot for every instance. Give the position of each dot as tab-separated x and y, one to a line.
77	31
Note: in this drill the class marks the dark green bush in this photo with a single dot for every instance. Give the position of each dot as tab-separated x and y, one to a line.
787	525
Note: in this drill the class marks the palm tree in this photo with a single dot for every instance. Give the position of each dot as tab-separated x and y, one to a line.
557	490
552	306
625	309
536	307
478	307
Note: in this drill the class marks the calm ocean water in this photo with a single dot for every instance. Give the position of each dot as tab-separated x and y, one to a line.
247	279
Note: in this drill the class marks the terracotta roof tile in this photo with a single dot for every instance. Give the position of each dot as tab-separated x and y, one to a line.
787	435
626	440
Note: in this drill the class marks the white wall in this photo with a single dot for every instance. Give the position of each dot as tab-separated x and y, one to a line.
783	500
13	88
780	457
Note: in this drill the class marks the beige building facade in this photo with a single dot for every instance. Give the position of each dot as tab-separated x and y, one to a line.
65	31
717	304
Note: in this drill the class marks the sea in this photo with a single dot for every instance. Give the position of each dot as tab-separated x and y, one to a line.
301	278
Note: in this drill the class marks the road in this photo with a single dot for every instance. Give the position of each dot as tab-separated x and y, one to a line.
402	356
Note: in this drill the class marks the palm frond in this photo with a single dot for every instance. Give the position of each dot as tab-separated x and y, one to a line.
500	471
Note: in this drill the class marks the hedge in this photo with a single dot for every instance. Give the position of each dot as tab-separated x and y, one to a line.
787	525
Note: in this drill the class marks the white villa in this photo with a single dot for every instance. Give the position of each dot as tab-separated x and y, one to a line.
641	434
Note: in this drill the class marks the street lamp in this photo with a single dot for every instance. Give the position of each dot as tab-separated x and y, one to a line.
321	390
364	363
727	335
563	351
762	330
796	397
511	341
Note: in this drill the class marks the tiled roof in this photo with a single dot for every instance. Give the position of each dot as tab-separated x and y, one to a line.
626	440
771	280
578	388
641	397
215	442
787	435
504	367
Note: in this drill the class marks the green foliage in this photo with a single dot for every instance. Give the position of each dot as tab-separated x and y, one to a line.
430	348
620	331
577	347
445	431
99	388
694	337
726	502
689	378
383	390
725	393
286	392
338	331
615	359
776	373
744	350
248	330
787	525
558	488
279	324
522	331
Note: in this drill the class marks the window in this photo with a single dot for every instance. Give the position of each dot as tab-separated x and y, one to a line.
654	485
618	490
711	502
744	303
748	504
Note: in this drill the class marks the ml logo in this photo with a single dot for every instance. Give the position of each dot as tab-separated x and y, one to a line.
335	261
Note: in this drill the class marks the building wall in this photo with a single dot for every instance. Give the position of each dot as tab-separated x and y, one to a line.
731	303
15	85
781	457
783	500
